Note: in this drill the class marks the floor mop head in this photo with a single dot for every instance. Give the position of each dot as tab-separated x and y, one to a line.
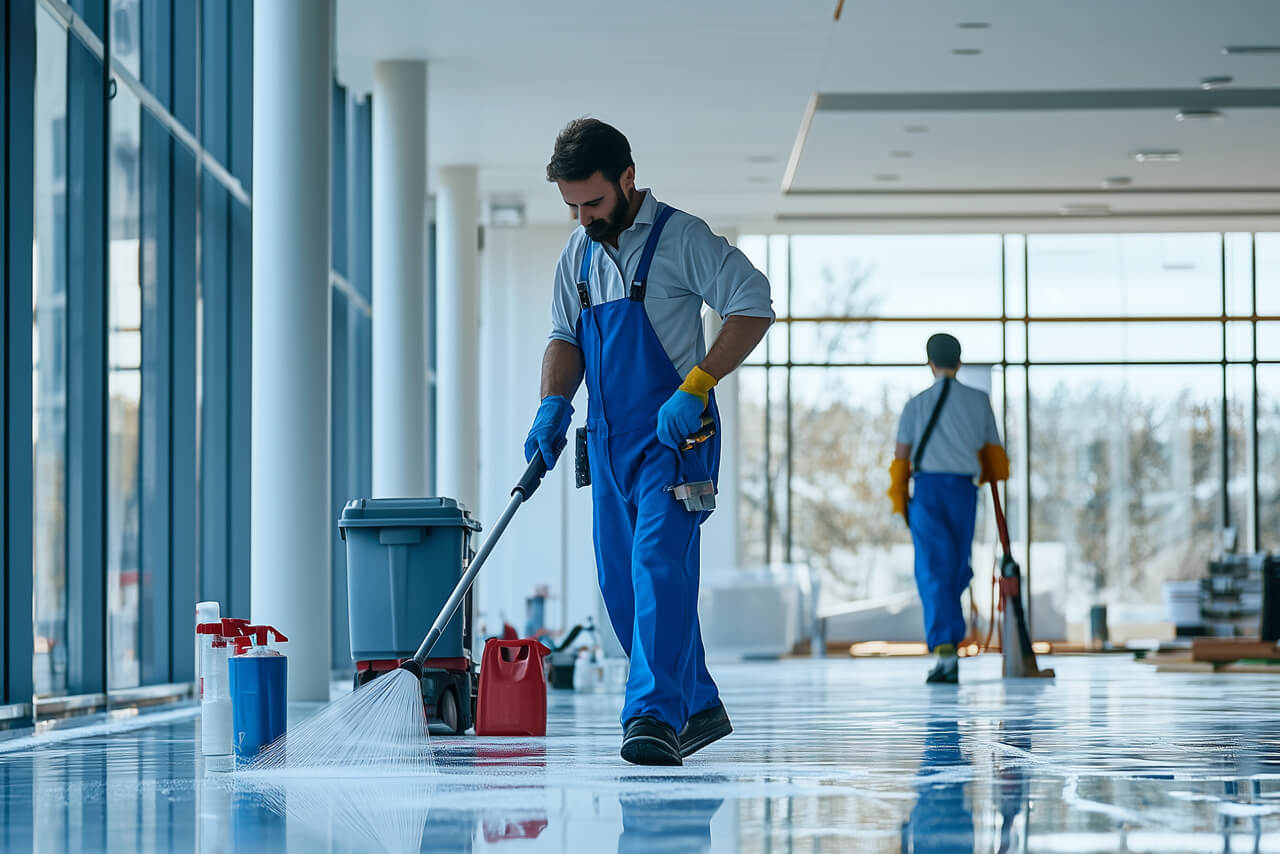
379	729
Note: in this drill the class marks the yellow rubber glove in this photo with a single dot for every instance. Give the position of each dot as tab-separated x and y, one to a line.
699	383
899	489
994	462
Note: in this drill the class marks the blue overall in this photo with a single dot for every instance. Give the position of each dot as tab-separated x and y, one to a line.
646	541
943	510
941	820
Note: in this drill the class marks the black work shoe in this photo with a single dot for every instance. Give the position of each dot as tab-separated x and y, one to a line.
703	728
945	672
648	741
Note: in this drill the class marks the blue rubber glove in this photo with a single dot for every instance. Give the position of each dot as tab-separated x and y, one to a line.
679	418
549	427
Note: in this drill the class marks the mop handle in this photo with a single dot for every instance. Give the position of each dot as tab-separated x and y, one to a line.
525	488
1001	525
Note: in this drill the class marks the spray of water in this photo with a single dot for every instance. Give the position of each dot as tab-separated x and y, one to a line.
381	813
380	728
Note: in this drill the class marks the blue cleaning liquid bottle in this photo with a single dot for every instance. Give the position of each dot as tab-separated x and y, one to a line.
259	677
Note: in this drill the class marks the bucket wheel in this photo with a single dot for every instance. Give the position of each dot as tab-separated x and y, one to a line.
448	711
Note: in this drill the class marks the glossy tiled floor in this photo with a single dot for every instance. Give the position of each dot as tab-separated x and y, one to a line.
834	755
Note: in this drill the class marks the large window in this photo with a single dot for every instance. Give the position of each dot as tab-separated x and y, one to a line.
1121	368
49	360
124	393
117	177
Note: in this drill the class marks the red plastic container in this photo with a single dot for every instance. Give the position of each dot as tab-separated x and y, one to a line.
513	689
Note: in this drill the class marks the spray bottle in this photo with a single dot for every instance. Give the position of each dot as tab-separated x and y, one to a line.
215	694
207	613
259	676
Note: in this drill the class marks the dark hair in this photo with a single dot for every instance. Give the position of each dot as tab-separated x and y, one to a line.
943	350
587	146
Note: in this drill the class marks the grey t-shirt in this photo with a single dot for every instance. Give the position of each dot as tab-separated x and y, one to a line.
965	425
691	266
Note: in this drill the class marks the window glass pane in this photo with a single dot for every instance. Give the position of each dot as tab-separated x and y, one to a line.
1269	457
126	34
1269	340
763	465
883	342
1125	275
1126	489
844	422
779	274
1015	295
1240	453
752	494
1239	274
1240	340
1267	247
1016	341
777	340
903	276
754	247
49	359
124	389
1124	342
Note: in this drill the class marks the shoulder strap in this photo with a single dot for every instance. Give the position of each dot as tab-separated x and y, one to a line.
933	422
650	247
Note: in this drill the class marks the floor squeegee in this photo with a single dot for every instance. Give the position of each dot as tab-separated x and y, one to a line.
1019	657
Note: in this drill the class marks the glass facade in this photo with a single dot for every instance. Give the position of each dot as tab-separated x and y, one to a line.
1121	367
127	320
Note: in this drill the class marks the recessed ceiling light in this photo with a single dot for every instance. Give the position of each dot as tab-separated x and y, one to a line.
1118	181
1198	115
966	51
916	129
1251	49
973	25
1158	155
758	179
1215	82
900	155
761	158
888	176
1084	210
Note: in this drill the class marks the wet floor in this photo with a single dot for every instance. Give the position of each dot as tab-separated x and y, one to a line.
832	755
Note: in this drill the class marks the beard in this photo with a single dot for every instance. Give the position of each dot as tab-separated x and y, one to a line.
610	227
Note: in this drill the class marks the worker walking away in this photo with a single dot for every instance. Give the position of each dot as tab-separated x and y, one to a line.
947	439
627	314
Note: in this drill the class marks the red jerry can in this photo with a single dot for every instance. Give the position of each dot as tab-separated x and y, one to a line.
513	689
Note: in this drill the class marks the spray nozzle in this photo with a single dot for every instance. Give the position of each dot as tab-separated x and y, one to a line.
259	634
233	627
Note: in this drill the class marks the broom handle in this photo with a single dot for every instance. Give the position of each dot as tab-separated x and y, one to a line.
1001	525
528	483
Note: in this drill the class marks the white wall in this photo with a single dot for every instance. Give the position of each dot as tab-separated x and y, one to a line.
549	541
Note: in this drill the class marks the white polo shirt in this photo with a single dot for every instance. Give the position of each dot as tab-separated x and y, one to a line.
691	266
965	424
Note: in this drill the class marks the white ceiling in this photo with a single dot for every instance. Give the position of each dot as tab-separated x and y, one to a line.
713	94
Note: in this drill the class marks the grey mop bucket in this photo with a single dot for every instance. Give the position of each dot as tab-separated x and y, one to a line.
404	557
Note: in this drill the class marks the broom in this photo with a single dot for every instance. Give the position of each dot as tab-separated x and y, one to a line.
382	726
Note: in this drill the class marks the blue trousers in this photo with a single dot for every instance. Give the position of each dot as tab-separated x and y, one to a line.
942	511
940	821
647	556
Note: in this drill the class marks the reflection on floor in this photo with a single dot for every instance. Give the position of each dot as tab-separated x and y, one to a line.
834	755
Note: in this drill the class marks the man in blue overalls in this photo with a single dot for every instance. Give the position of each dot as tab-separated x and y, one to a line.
627	313
947	438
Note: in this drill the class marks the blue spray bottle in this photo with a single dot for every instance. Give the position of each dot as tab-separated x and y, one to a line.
258	676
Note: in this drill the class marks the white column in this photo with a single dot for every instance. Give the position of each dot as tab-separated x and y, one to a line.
292	525
399	213
457	330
